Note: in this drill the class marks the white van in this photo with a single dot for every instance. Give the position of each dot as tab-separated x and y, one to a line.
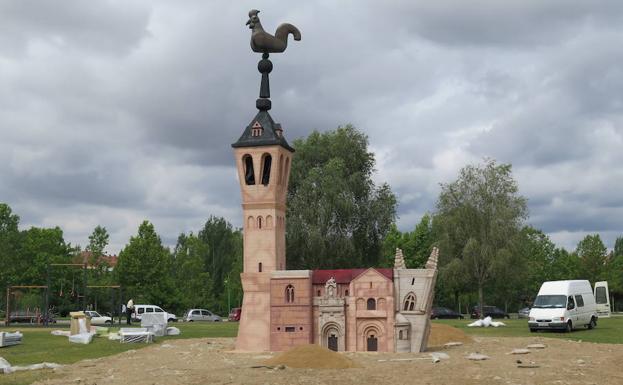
563	305
602	297
139	310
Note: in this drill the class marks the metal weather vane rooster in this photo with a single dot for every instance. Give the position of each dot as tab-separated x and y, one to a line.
265	43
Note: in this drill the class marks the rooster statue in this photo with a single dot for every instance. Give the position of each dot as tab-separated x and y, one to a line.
264	42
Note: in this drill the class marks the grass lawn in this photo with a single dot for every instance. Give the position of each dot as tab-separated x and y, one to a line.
39	345
608	331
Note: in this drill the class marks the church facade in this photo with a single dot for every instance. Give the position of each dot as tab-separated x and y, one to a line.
374	309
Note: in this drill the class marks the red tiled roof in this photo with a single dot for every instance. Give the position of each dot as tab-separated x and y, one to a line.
85	256
345	275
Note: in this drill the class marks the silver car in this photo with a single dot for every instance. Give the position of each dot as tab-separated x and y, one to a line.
201	315
523	313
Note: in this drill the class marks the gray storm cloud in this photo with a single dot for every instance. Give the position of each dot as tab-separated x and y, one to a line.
114	112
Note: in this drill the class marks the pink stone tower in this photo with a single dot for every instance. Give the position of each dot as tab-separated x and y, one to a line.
263	159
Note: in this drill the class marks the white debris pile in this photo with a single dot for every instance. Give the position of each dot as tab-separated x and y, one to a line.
64	333
486	322
6	368
438	356
155	323
173	331
477	357
520	351
8	339
84	336
134	335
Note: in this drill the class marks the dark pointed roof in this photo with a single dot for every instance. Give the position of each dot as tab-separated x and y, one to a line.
271	133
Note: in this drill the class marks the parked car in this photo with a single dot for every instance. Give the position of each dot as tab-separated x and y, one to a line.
201	315
563	305
523	313
234	314
489	311
139	310
97	319
444	313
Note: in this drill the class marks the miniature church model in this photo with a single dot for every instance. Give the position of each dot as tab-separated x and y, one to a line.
374	309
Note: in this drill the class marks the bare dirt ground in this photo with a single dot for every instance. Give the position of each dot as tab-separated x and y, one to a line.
210	361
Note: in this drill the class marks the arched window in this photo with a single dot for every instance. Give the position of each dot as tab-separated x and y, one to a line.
267	161
269	222
289	294
259	222
259	267
286	169
249	174
409	303
250	223
371	304
280	170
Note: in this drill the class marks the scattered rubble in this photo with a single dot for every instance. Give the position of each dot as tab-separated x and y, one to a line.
477	357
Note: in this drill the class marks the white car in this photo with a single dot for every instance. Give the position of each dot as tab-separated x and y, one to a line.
139	310
97	319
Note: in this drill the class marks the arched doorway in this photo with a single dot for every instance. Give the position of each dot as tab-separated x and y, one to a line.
331	337
372	343
372	339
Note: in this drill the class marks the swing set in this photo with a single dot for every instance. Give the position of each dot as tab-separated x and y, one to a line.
43	316
30	315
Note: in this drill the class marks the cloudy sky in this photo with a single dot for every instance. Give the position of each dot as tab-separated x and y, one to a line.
112	112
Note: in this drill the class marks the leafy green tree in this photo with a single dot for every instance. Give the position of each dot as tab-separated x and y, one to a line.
144	269
416	245
337	216
10	242
222	250
539	254
481	214
593	257
191	276
618	247
98	240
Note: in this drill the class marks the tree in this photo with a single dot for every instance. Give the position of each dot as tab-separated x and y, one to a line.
98	240
10	241
223	249
592	253
416	245
144	269
481	214
337	216
191	276
618	247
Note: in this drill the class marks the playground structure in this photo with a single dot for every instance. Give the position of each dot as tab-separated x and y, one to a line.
42	315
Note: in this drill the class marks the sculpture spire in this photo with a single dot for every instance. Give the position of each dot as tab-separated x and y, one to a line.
264	42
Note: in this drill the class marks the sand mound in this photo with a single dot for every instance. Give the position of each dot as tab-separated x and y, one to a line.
311	356
441	334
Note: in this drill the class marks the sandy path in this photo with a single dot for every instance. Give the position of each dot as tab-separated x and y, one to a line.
210	361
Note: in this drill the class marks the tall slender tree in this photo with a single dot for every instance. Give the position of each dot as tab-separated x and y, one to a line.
481	214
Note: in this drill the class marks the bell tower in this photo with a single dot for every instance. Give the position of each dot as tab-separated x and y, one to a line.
263	160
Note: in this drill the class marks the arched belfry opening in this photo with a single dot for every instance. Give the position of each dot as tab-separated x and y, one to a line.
249	173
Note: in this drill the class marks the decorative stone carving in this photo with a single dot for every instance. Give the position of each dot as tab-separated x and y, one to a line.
330	288
399	260
432	260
